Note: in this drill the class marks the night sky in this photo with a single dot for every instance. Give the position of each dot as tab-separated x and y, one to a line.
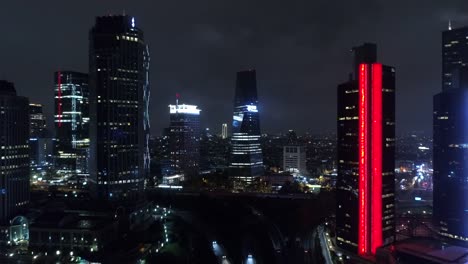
300	50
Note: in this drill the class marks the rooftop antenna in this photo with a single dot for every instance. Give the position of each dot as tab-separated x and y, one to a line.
177	95
124	12
450	25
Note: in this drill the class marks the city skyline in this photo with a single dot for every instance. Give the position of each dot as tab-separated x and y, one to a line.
307	68
315	132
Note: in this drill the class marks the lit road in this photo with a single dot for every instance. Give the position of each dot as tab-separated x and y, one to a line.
250	260
243	226
325	245
274	232
220	253
218	249
308	244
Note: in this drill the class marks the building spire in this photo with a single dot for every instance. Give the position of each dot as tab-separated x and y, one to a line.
450	24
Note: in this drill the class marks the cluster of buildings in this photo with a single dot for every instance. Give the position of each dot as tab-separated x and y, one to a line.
184	142
100	145
365	213
101	141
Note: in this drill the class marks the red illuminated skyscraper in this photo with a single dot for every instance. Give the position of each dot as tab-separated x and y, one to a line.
366	150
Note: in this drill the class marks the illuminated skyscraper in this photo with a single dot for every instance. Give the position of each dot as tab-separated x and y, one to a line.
37	121
40	140
224	131
365	217
454	55
184	139
119	107
450	135
246	155
14	152
71	122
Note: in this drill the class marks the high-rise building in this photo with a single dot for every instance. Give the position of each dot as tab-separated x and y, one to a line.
246	154
294	155
454	55
365	218
450	152
71	120
224	131
40	140
14	152
119	108
184	139
37	121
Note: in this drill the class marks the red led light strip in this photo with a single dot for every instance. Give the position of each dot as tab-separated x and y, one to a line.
59	99
370	160
377	144
363	179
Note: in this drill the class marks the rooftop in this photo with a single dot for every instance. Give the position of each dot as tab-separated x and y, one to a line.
433	251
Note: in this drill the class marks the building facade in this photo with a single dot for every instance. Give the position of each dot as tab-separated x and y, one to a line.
294	159
294	155
450	135
366	149
14	152
454	55
71	150
224	131
184	139
246	154
40	140
37	121
119	108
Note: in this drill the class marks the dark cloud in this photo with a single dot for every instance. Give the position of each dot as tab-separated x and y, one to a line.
299	48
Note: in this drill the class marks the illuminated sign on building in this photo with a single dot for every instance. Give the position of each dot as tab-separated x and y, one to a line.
184	109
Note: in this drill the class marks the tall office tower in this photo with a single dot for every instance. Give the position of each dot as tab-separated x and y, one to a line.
224	131
14	152
39	145
366	155
37	121
71	120
450	136
454	55
184	139
119	108
246	154
294	155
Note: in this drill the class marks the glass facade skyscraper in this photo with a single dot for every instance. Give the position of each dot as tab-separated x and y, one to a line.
71	120
119	104
14	152
454	56
450	134
246	154
365	213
